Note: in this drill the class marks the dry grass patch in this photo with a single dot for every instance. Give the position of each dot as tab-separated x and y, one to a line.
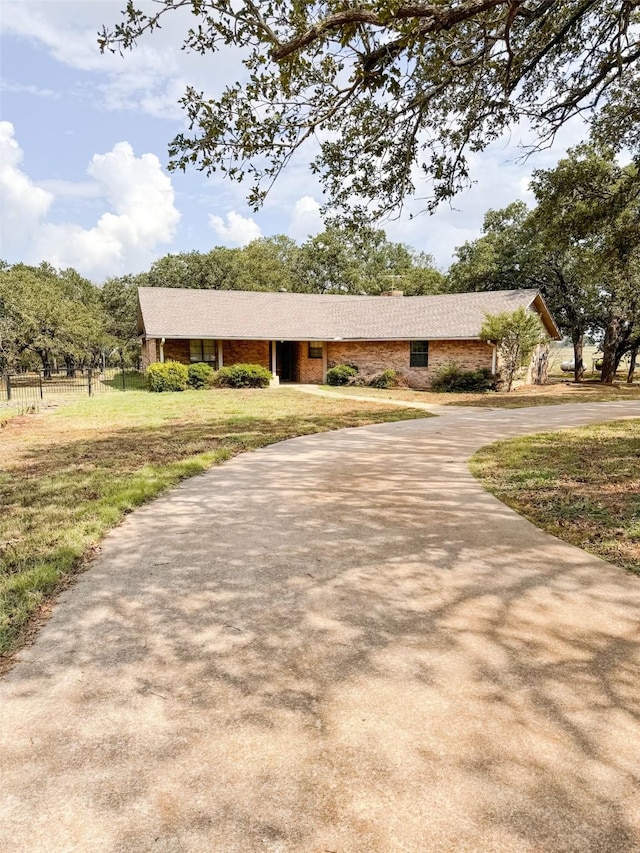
582	485
532	395
66	477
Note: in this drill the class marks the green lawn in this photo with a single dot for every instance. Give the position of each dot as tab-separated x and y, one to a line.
66	477
533	395
582	485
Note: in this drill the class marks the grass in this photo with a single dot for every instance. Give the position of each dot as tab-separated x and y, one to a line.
551	394
582	485
68	476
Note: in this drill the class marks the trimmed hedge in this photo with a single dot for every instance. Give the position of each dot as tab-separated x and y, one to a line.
451	378
243	376
167	376
341	374
201	375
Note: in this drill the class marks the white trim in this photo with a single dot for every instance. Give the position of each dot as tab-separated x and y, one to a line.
275	381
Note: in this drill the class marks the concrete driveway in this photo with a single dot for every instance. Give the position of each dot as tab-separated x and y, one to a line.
338	643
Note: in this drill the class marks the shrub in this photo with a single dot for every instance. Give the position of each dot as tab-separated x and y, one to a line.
451	378
341	374
167	376
243	376
201	375
385	379
516	336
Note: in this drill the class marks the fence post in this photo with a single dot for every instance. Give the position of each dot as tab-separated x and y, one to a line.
89	378
40	383
8	386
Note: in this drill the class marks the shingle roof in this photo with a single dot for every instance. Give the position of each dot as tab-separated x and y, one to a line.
185	313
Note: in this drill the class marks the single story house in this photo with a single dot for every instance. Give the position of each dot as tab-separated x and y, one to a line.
299	336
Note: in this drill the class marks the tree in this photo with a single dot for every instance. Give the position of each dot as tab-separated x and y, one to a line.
55	315
120	302
215	270
520	249
269	263
342	261
384	86
590	204
516	336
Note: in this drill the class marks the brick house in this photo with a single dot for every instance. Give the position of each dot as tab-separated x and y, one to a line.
299	336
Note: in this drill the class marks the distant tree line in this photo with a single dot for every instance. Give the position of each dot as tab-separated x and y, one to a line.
56	317
580	246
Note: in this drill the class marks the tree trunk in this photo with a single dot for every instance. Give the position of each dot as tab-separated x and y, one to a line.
46	362
611	335
633	355
577	337
540	370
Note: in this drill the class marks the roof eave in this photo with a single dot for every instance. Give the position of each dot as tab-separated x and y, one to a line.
546	317
298	338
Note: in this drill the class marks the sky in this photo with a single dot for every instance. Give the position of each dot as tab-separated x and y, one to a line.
83	154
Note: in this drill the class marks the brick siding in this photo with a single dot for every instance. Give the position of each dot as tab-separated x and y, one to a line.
374	356
175	350
246	352
308	370
149	352
370	356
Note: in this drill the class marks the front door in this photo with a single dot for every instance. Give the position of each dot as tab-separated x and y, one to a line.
286	360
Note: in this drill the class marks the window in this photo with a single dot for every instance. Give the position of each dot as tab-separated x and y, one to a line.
419	354
202	351
315	349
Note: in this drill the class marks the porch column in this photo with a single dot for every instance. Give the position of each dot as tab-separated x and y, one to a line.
325	361
220	359
494	359
161	350
274	365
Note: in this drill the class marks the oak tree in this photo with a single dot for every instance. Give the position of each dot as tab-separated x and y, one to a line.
387	93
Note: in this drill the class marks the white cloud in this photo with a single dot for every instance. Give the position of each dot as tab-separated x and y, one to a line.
306	219
238	230
27	89
146	79
71	189
140	195
23	203
143	200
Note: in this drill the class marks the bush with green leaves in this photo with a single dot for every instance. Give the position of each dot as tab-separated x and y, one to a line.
341	374
243	376
515	335
167	376
385	379
453	379
201	375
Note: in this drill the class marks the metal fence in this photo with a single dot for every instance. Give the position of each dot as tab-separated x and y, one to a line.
31	387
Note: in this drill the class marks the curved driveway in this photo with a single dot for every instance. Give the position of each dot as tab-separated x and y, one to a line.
338	643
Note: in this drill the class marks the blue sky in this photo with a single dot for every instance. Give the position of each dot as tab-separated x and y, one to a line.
83	154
